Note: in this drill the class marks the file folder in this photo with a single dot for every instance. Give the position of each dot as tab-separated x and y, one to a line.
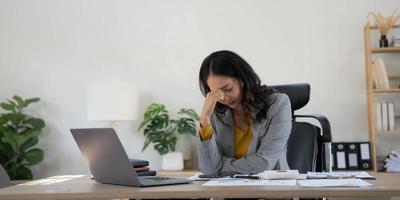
365	156
339	156
352	155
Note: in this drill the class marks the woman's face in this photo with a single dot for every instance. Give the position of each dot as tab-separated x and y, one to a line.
231	87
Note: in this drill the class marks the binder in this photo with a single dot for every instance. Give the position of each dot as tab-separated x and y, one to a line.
385	120
365	156
352	155
339	156
378	116
391	116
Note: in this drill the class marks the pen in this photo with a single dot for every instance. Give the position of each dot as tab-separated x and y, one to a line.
247	177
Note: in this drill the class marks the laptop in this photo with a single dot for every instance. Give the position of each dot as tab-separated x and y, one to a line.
108	162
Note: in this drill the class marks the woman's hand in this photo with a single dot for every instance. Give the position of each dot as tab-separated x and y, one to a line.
209	104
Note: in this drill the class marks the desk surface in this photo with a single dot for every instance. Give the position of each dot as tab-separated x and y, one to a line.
386	185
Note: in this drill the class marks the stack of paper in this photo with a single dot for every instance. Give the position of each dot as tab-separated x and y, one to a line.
338	175
334	183
392	162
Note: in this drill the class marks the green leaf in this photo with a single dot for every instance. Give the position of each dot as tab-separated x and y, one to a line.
142	124
29	143
189	112
186	125
9	138
146	143
24	138
21	103
155	135
13	104
23	173
15	118
172	143
152	111
31	100
160	121
6	152
3	120
7	106
36	123
34	156
162	148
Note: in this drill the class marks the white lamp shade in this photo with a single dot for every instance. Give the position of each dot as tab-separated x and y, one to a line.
116	101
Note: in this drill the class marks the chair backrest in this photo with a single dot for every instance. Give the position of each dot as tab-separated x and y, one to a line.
302	148
4	178
306	144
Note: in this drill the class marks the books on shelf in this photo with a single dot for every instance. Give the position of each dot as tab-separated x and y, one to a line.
385	116
379	74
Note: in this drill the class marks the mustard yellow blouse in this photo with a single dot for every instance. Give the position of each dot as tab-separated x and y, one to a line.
242	139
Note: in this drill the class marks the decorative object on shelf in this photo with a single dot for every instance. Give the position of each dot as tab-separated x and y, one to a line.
112	101
392	162
163	132
18	135
384	24
383	42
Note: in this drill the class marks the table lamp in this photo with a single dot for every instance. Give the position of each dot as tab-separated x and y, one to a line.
113	101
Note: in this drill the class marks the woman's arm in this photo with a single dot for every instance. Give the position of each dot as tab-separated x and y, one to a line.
209	153
273	144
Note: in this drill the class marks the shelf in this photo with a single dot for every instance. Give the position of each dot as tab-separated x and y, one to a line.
375	27
386	90
386	50
376	95
396	78
389	133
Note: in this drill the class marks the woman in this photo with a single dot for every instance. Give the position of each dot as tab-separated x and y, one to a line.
244	126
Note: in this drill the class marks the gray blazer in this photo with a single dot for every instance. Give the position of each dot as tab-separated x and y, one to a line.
266	151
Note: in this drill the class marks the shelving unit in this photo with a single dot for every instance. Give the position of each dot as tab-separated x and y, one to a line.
372	92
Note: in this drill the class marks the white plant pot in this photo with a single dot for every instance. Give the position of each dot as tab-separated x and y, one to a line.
172	161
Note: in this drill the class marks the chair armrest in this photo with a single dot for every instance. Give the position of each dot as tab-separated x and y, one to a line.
325	125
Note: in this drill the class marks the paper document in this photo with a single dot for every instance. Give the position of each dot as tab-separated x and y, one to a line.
248	182
334	183
356	174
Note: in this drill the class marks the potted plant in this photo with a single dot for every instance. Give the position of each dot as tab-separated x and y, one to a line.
163	132
18	135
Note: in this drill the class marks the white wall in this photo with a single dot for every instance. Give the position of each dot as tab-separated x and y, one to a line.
54	49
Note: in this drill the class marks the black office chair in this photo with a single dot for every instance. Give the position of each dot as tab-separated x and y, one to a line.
308	148
4	178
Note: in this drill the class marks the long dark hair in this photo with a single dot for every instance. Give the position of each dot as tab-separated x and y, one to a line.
227	63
